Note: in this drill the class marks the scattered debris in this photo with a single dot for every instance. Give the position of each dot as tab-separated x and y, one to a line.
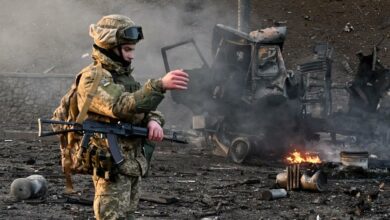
186	181
373	195
222	168
78	200
158	198
156	214
207	200
294	178
353	191
243	182
359	208
382	186
317	182
320	201
34	186
307	17
10	207
348	27
273	194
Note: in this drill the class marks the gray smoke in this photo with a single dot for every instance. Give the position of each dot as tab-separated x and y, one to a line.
37	35
52	35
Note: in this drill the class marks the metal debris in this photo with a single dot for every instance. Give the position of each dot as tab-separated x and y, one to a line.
34	186
348	27
273	194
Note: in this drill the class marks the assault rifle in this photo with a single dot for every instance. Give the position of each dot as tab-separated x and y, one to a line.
110	130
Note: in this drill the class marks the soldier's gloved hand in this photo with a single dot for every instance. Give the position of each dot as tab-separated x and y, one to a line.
156	132
175	80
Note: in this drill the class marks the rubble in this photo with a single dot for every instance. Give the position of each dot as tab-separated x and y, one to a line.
213	187
222	189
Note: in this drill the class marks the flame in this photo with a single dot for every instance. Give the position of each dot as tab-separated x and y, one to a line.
296	157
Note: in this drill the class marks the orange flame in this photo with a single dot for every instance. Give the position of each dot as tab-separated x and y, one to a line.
297	158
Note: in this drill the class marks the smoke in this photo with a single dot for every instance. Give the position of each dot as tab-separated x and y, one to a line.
37	35
52	35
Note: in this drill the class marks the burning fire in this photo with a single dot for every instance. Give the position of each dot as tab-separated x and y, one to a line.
296	157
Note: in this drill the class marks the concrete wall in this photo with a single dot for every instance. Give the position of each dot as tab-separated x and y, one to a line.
24	97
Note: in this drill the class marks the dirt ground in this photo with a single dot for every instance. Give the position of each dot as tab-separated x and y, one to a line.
201	185
313	21
196	184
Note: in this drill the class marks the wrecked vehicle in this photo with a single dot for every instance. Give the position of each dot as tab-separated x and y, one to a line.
246	97
365	119
247	103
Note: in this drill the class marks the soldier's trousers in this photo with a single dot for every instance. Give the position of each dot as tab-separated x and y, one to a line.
116	200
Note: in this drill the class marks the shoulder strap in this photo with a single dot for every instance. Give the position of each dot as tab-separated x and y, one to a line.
91	94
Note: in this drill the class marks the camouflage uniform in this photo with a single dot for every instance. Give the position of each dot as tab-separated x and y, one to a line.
118	98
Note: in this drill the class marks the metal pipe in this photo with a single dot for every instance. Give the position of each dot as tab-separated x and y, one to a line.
317	182
274	194
244	9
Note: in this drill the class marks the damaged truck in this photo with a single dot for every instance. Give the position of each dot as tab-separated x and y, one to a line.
247	103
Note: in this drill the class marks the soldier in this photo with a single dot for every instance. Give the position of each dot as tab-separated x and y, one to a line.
120	98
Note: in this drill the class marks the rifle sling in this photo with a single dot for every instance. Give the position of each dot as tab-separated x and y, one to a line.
91	94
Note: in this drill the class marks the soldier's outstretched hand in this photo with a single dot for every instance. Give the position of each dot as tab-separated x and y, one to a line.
175	80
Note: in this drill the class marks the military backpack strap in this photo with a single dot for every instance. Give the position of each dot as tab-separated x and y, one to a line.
91	94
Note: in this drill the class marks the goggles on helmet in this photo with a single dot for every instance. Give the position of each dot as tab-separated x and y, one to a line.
133	33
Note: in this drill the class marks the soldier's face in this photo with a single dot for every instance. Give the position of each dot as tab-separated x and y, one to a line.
128	52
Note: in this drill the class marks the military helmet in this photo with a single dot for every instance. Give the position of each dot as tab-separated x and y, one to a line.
114	30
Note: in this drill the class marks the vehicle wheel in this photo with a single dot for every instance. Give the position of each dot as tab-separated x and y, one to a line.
239	149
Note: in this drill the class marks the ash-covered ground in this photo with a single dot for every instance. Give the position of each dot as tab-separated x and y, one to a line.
197	183
194	184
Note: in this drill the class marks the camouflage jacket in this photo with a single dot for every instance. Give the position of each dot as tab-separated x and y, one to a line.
120	98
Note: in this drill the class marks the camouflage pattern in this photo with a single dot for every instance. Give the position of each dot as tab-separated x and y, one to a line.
105	32
116	200
120	98
125	99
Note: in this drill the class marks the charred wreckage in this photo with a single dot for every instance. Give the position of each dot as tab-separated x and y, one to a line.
247	103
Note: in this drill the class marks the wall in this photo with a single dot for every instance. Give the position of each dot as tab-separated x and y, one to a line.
25	97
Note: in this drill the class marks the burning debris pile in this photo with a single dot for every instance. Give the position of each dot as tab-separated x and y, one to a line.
305	171
308	157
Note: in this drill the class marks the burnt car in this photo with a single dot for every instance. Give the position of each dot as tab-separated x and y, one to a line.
246	102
